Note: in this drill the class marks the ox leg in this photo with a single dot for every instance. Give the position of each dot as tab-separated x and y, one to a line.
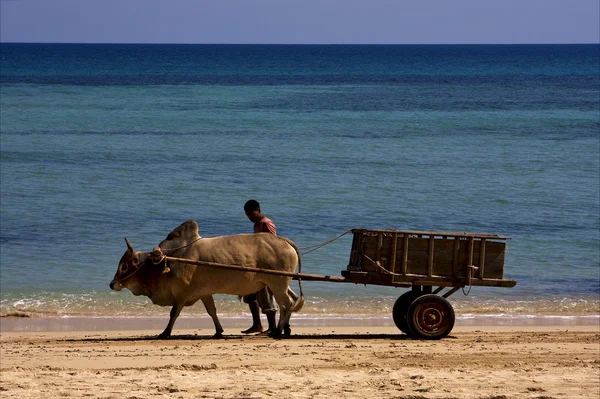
175	310
211	309
285	304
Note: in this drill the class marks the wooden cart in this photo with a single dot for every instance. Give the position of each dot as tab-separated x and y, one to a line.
419	260
422	260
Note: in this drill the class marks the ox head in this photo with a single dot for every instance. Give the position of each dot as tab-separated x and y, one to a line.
128	265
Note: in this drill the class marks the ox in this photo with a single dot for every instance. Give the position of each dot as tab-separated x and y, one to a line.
180	284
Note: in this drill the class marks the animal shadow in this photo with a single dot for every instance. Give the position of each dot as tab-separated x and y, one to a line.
249	338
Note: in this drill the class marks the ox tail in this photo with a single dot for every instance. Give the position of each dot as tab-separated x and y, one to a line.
298	301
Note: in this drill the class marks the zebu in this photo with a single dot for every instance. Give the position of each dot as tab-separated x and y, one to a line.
184	284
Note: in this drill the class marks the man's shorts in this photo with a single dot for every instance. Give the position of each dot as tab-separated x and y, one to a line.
265	300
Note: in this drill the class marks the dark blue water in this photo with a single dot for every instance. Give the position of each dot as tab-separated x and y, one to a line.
104	141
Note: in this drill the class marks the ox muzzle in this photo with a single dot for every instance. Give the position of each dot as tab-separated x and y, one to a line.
115	285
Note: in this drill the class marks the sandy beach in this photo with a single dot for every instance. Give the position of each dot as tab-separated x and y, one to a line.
316	362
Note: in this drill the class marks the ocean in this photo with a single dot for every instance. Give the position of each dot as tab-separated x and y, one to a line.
101	141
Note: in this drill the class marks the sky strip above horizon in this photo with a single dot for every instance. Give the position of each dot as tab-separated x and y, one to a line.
305	22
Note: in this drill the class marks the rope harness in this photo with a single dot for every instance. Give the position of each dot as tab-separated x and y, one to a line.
157	256
181	247
318	246
471	270
137	269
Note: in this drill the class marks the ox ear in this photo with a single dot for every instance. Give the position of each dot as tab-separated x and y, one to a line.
129	246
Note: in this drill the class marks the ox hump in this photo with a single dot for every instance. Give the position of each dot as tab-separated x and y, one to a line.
184	234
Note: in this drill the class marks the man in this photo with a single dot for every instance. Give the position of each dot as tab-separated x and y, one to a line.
263	299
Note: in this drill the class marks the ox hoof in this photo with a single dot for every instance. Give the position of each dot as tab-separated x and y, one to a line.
287	331
163	336
276	333
218	336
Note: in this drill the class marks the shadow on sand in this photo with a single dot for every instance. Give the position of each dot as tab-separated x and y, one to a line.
257	338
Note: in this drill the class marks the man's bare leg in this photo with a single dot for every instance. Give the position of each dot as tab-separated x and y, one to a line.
256	324
271	319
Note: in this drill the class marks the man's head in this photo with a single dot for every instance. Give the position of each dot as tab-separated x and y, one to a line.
252	209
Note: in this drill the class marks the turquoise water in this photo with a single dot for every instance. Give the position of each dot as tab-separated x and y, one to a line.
99	142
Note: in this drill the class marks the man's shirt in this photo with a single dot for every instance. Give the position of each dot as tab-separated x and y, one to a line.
265	225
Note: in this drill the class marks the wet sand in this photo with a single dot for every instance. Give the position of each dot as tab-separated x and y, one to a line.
316	362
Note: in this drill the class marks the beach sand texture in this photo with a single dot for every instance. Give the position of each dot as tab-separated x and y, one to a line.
325	362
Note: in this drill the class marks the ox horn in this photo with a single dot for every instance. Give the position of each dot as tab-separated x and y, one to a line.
129	246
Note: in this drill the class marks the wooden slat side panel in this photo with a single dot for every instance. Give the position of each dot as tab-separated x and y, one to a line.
393	253
430	260
455	251
404	248
352	263
450	255
378	249
494	259
369	253
482	262
355	254
444	264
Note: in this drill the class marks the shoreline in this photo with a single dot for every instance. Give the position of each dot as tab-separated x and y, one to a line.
232	324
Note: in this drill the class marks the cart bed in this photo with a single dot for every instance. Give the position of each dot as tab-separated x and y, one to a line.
393	257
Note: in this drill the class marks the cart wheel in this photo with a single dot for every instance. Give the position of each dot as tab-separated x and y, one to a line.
400	311
430	317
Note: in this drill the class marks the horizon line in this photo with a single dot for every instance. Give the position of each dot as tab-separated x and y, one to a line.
315	44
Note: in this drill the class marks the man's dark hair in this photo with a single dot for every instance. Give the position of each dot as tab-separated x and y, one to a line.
251	205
